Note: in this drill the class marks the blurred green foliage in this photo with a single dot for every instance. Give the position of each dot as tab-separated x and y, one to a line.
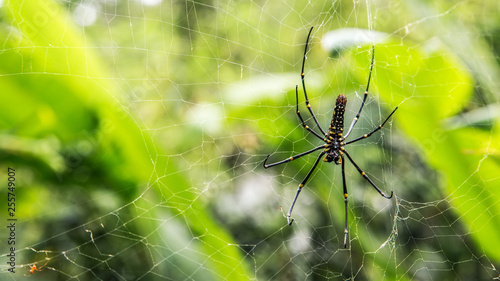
65	93
465	155
128	134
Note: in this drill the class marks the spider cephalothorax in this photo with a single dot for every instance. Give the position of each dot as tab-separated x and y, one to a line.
333	149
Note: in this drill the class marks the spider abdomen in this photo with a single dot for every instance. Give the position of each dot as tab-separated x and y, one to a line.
337	124
335	132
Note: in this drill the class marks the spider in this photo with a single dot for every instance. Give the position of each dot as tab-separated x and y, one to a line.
34	268
333	149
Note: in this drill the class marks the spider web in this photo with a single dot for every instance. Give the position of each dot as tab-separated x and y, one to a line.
172	107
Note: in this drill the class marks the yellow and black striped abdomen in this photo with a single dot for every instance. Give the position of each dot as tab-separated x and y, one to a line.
337	124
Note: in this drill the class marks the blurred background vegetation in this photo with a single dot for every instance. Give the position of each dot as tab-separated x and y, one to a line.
138	130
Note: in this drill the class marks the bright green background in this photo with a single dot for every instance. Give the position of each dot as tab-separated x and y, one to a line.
126	135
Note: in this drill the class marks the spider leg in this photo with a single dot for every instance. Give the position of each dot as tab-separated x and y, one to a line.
364	97
366	177
346	229
293	157
376	129
304	85
301	185
302	120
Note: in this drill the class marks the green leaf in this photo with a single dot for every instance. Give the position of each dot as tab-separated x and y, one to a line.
428	88
60	80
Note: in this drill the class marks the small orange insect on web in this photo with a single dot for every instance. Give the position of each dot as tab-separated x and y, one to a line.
33	268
